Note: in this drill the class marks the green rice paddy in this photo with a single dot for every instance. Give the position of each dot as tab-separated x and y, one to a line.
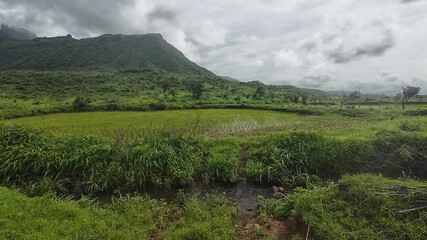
207	122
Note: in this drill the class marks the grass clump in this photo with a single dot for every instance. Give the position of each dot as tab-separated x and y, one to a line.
283	157
400	154
79	164
290	154
409	126
212	219
223	161
358	207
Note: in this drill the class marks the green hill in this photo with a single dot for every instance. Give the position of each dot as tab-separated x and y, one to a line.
106	51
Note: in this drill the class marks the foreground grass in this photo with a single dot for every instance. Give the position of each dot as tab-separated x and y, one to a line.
358	207
22	217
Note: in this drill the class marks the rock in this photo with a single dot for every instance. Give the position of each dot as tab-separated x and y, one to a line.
275	189
281	189
278	194
248	226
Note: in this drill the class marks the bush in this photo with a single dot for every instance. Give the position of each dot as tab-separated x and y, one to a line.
155	106
409	126
80	104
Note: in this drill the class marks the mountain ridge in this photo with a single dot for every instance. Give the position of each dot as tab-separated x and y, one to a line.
105	51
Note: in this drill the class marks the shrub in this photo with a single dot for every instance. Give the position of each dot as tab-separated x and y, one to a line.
409	126
155	106
80	104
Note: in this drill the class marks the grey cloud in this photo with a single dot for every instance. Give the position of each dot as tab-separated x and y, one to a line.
388	77
309	46
340	55
419	81
408	1
16	33
79	17
315	81
340	47
162	13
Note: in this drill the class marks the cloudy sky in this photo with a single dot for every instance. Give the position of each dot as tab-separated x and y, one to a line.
374	45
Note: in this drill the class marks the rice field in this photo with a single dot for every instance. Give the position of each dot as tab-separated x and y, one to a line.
209	122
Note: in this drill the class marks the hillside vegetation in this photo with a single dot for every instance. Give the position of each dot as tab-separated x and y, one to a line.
106	51
26	93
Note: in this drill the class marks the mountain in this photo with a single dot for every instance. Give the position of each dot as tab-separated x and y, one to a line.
12	32
106	51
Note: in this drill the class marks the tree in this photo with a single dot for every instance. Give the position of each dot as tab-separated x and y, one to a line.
259	93
80	104
398	97
381	100
354	95
196	89
295	98
304	98
408	93
165	85
315	98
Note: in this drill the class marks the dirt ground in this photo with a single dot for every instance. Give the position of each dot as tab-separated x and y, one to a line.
251	228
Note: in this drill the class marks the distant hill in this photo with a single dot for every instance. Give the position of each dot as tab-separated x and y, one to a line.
339	93
106	51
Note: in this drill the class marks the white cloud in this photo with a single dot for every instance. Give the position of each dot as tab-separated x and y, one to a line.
258	62
208	34
283	58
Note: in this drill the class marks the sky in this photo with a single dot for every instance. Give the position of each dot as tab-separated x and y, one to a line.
372	45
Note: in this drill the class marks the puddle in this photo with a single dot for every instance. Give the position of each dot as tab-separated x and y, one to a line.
243	193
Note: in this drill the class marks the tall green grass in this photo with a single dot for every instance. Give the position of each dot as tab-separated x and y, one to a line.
280	156
42	162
